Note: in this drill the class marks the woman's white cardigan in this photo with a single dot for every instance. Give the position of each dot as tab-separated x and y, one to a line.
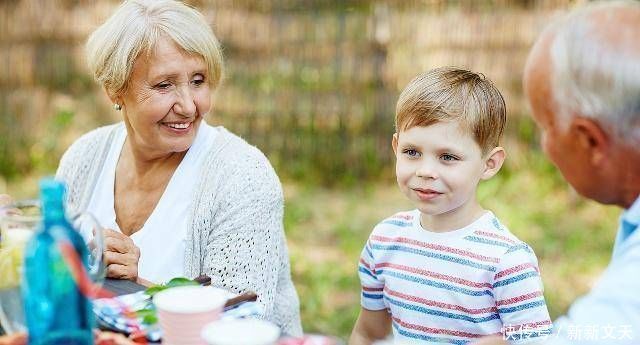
236	234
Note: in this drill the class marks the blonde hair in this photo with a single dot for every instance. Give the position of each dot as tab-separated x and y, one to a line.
454	94
135	28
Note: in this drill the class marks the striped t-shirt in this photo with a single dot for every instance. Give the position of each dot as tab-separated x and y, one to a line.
453	287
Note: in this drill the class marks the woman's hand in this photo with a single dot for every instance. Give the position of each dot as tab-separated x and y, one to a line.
14	339
121	255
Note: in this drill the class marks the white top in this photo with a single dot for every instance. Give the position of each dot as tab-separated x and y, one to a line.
235	233
159	260
455	286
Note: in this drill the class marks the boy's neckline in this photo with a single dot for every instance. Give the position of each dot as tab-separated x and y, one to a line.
486	216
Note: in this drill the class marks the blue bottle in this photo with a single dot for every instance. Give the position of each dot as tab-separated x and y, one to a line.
56	311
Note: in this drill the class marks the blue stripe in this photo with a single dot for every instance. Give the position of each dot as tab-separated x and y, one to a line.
428	338
366	271
517	278
517	247
529	305
440	313
497	224
436	255
436	284
397	223
487	241
368	295
366	248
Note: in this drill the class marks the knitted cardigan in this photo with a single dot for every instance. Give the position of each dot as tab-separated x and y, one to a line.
235	234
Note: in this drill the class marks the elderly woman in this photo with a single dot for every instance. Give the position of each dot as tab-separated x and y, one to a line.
178	196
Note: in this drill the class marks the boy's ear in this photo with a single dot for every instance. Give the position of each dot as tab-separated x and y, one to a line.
493	162
394	143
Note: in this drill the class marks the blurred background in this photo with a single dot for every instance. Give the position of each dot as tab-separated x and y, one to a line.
313	84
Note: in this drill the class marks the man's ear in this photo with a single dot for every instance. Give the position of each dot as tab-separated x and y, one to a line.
394	143
591	138
493	162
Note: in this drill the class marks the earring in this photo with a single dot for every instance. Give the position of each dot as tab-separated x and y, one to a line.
117	106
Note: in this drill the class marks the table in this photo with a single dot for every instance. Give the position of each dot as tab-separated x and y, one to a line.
123	287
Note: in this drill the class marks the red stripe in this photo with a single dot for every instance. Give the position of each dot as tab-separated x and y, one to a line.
436	247
365	264
515	269
432	303
432	330
403	216
519	298
492	235
436	275
371	289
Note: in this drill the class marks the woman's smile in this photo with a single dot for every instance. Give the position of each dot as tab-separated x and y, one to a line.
179	128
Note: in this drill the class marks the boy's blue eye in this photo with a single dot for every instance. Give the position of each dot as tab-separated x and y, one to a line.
411	153
448	157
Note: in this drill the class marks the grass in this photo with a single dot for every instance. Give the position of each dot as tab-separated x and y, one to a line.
326	229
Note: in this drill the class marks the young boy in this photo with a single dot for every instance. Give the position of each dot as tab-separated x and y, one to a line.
448	271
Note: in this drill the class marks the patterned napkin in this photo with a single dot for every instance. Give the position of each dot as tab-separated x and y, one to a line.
118	313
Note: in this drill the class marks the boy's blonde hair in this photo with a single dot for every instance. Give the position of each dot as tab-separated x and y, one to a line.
454	94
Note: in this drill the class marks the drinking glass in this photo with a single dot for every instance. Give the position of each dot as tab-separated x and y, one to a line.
18	222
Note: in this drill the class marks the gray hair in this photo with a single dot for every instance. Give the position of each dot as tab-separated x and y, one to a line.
596	76
135	28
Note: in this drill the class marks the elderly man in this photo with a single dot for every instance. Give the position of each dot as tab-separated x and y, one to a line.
582	79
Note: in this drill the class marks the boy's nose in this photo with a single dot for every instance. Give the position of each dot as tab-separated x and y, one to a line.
426	171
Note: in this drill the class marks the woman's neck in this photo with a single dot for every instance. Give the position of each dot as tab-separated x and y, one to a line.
143	166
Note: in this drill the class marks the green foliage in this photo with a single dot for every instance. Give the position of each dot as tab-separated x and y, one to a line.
44	152
148	316
26	147
175	282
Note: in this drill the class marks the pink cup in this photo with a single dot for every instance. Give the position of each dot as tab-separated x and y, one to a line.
183	312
